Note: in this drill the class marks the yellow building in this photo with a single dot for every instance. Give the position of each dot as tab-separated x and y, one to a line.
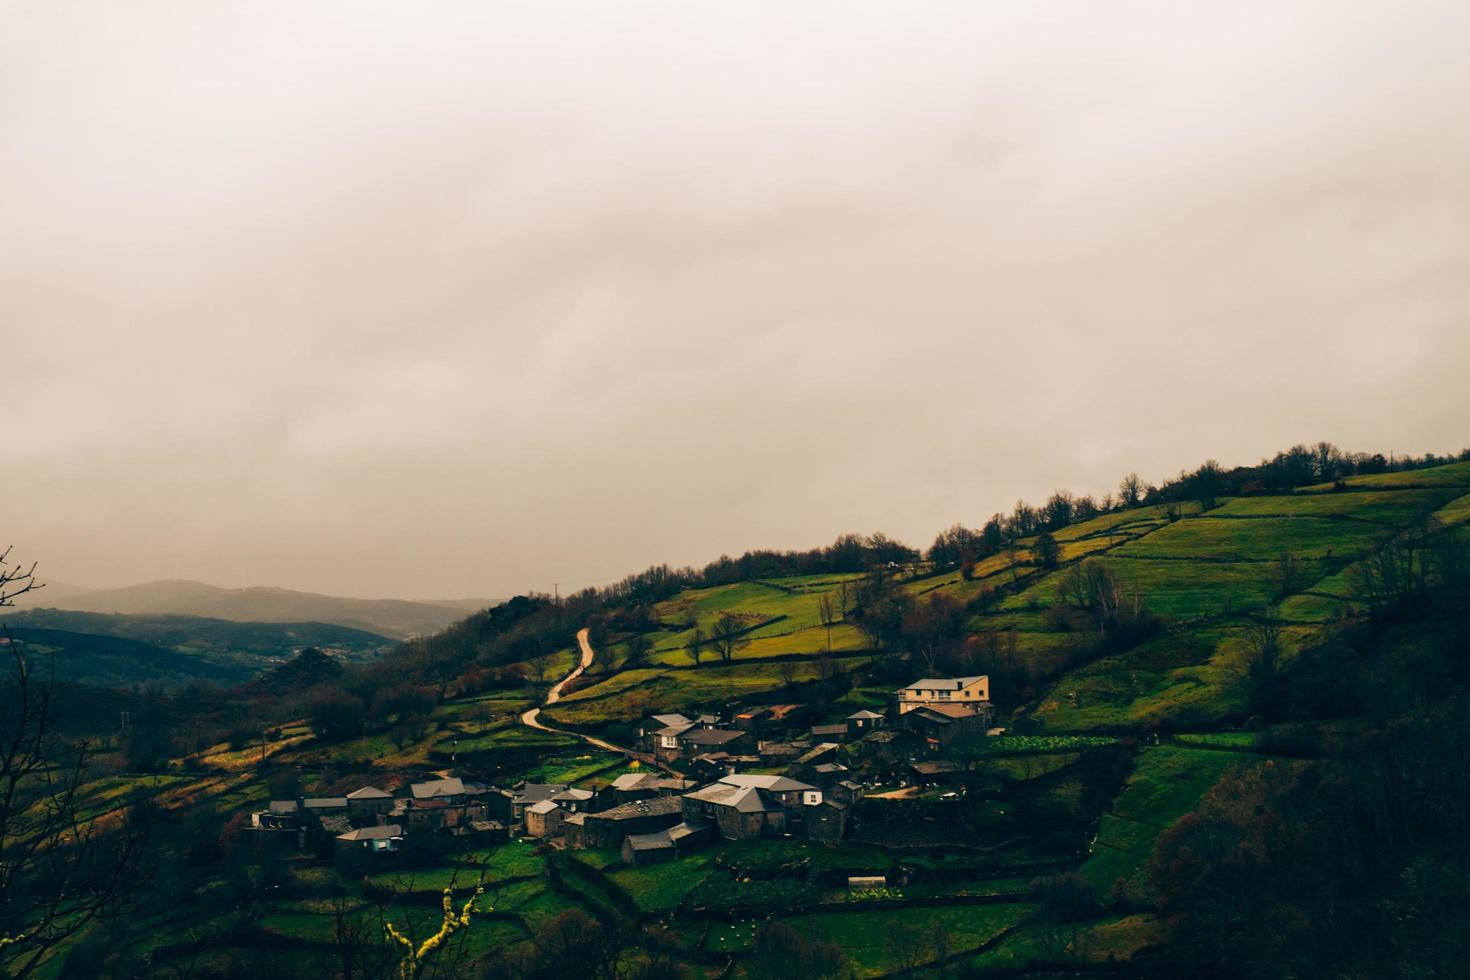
974	691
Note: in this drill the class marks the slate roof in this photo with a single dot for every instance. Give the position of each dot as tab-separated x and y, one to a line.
545	806
629	781
370	793
283	806
941	683
936	766
452	786
335	824
325	803
650	842
686	829
816	752
948	712
373	833
710	736
670	720
864	715
573	795
745	799
536	792
658	806
776	784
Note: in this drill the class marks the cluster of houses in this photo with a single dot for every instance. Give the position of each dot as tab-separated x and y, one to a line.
756	775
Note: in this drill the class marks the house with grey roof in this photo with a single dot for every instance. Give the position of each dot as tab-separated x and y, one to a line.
450	790
366	803
746	805
859	723
356	847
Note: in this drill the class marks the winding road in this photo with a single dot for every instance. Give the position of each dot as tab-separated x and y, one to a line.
532	718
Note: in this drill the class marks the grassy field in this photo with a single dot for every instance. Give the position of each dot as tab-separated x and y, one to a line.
658	887
1256	539
632	694
1167	782
1395	508
868	936
1451	475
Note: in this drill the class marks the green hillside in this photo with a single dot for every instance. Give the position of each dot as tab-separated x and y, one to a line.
220	650
1204	661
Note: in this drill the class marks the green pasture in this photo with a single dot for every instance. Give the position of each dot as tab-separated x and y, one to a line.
1177	589
1395	507
1450	475
1457	511
658	887
867	935
1166	783
1260	539
629	696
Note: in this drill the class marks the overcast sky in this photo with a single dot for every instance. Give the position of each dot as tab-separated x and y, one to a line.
399	299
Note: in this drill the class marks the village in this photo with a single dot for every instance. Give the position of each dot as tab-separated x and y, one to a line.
760	771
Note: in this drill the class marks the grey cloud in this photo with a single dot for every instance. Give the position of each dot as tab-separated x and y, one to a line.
522	294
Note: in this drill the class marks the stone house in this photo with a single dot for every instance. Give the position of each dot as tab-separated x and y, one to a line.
364	805
698	741
608	828
545	819
941	724
356	849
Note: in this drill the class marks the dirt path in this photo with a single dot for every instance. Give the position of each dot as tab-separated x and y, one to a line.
532	718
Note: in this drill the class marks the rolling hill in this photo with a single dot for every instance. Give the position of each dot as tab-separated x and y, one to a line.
396	618
1115	742
147	649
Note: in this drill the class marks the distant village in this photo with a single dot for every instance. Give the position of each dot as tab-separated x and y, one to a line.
760	772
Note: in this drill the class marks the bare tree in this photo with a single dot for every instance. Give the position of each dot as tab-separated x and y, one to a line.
906	947
1045	551
697	643
16	581
827	611
845	599
1130	491
639	646
538	664
728	636
60	870
1261	674
1289	573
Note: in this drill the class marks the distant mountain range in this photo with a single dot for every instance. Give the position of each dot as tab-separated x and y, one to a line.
395	618
113	650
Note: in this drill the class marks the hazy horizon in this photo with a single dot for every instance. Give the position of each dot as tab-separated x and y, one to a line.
379	301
